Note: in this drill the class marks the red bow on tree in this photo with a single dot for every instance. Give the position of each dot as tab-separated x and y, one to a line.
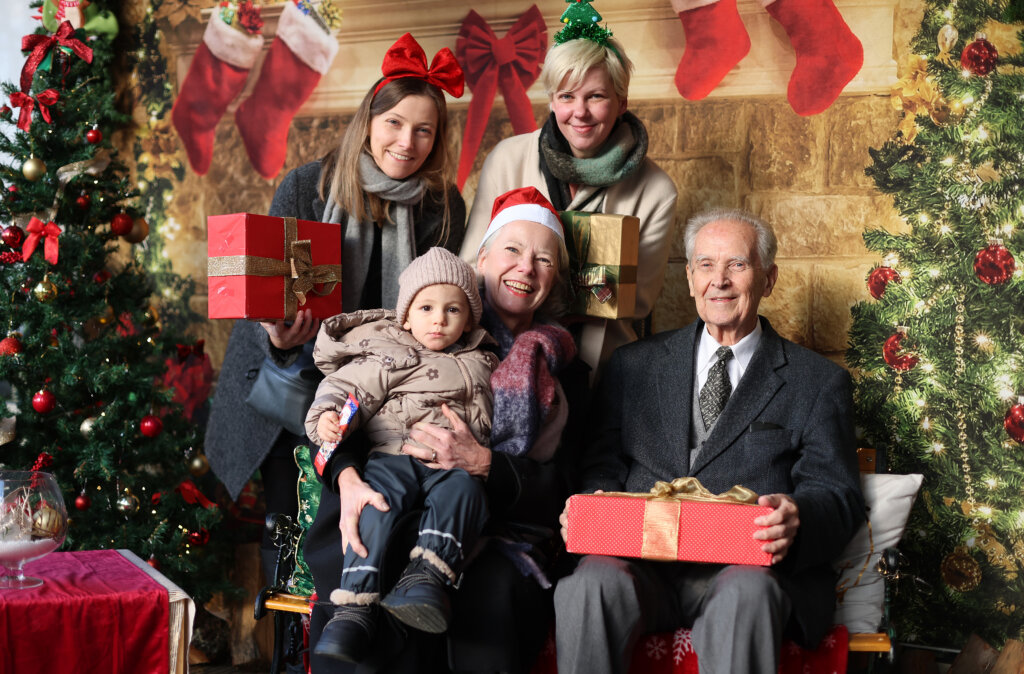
511	63
406	58
37	230
40	46
186	350
27	104
190	492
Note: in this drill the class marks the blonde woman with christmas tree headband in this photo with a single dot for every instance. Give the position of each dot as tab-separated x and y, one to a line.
590	155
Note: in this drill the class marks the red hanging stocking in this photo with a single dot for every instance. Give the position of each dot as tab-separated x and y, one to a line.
716	40
217	75
301	53
828	54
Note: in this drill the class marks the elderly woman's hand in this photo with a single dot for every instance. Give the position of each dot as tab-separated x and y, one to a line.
302	329
355	495
442	448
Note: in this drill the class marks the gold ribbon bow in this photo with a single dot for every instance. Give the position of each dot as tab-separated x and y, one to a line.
661	512
301	275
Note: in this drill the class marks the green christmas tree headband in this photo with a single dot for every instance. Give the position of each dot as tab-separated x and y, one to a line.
580	19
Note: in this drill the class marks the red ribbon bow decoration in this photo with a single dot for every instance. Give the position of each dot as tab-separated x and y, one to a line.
191	494
511	63
48	232
406	58
27	104
40	46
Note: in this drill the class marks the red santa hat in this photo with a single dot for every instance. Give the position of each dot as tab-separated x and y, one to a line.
525	203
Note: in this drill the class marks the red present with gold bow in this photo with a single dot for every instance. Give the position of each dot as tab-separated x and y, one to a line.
676	521
266	268
603	253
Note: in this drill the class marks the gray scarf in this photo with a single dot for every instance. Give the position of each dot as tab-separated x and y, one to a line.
398	238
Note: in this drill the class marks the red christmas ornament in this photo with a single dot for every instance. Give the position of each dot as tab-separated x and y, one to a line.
43	462
82	501
13	189
102	276
12	235
879	279
121	224
9	257
152	561
83	201
151	426
994	264
10	346
896	360
94	136
44	401
979	57
201	537
1014	422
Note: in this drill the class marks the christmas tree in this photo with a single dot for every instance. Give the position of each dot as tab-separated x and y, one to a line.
105	390
938	354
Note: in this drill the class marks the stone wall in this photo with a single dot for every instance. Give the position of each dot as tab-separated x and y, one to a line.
803	174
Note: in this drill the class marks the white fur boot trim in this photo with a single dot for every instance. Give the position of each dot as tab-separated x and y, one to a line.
348	597
434	561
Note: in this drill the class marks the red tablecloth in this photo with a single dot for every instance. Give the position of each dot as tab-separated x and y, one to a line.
95	612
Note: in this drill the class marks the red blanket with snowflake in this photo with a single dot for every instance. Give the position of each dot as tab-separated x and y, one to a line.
672	653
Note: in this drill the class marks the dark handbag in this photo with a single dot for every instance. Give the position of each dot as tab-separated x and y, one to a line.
284	394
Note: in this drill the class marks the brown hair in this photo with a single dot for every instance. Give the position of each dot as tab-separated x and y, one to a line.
339	173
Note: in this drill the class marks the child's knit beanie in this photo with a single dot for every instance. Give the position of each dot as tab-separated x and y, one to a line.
437	265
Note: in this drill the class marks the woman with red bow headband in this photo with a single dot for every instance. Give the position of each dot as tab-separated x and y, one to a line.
390	183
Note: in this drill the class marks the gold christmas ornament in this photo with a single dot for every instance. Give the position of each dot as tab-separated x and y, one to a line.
150	316
139	232
960	571
46	523
198	465
85	428
128	502
33	169
107	316
946	39
45	291
998	555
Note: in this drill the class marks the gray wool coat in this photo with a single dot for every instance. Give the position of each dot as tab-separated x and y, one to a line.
238	438
787	428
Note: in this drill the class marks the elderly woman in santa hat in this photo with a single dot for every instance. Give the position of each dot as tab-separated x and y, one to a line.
502	611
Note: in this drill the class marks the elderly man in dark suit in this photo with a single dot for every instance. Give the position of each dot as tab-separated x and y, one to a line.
728	401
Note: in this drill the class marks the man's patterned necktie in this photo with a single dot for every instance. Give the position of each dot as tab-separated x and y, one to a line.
716	389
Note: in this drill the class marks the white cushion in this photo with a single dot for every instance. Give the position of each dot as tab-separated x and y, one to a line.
889	499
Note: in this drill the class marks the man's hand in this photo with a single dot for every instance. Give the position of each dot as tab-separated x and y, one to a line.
780	525
563	519
355	495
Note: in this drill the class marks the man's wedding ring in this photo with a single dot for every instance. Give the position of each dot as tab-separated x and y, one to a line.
433	456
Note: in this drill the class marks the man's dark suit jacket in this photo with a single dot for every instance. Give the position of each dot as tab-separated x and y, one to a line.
787	428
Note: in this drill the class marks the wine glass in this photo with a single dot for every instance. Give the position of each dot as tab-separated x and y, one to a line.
33	523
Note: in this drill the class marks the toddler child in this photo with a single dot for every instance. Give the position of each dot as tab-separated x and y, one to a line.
385	371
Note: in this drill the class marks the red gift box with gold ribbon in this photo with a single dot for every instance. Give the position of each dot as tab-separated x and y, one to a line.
266	268
676	521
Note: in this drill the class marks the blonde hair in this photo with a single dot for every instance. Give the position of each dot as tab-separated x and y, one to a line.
570	62
339	172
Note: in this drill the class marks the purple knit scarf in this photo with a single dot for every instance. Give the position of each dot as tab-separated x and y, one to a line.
524	381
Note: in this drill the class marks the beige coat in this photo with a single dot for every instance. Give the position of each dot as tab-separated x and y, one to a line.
397	381
649	194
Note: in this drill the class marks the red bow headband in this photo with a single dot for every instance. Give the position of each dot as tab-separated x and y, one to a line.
406	58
